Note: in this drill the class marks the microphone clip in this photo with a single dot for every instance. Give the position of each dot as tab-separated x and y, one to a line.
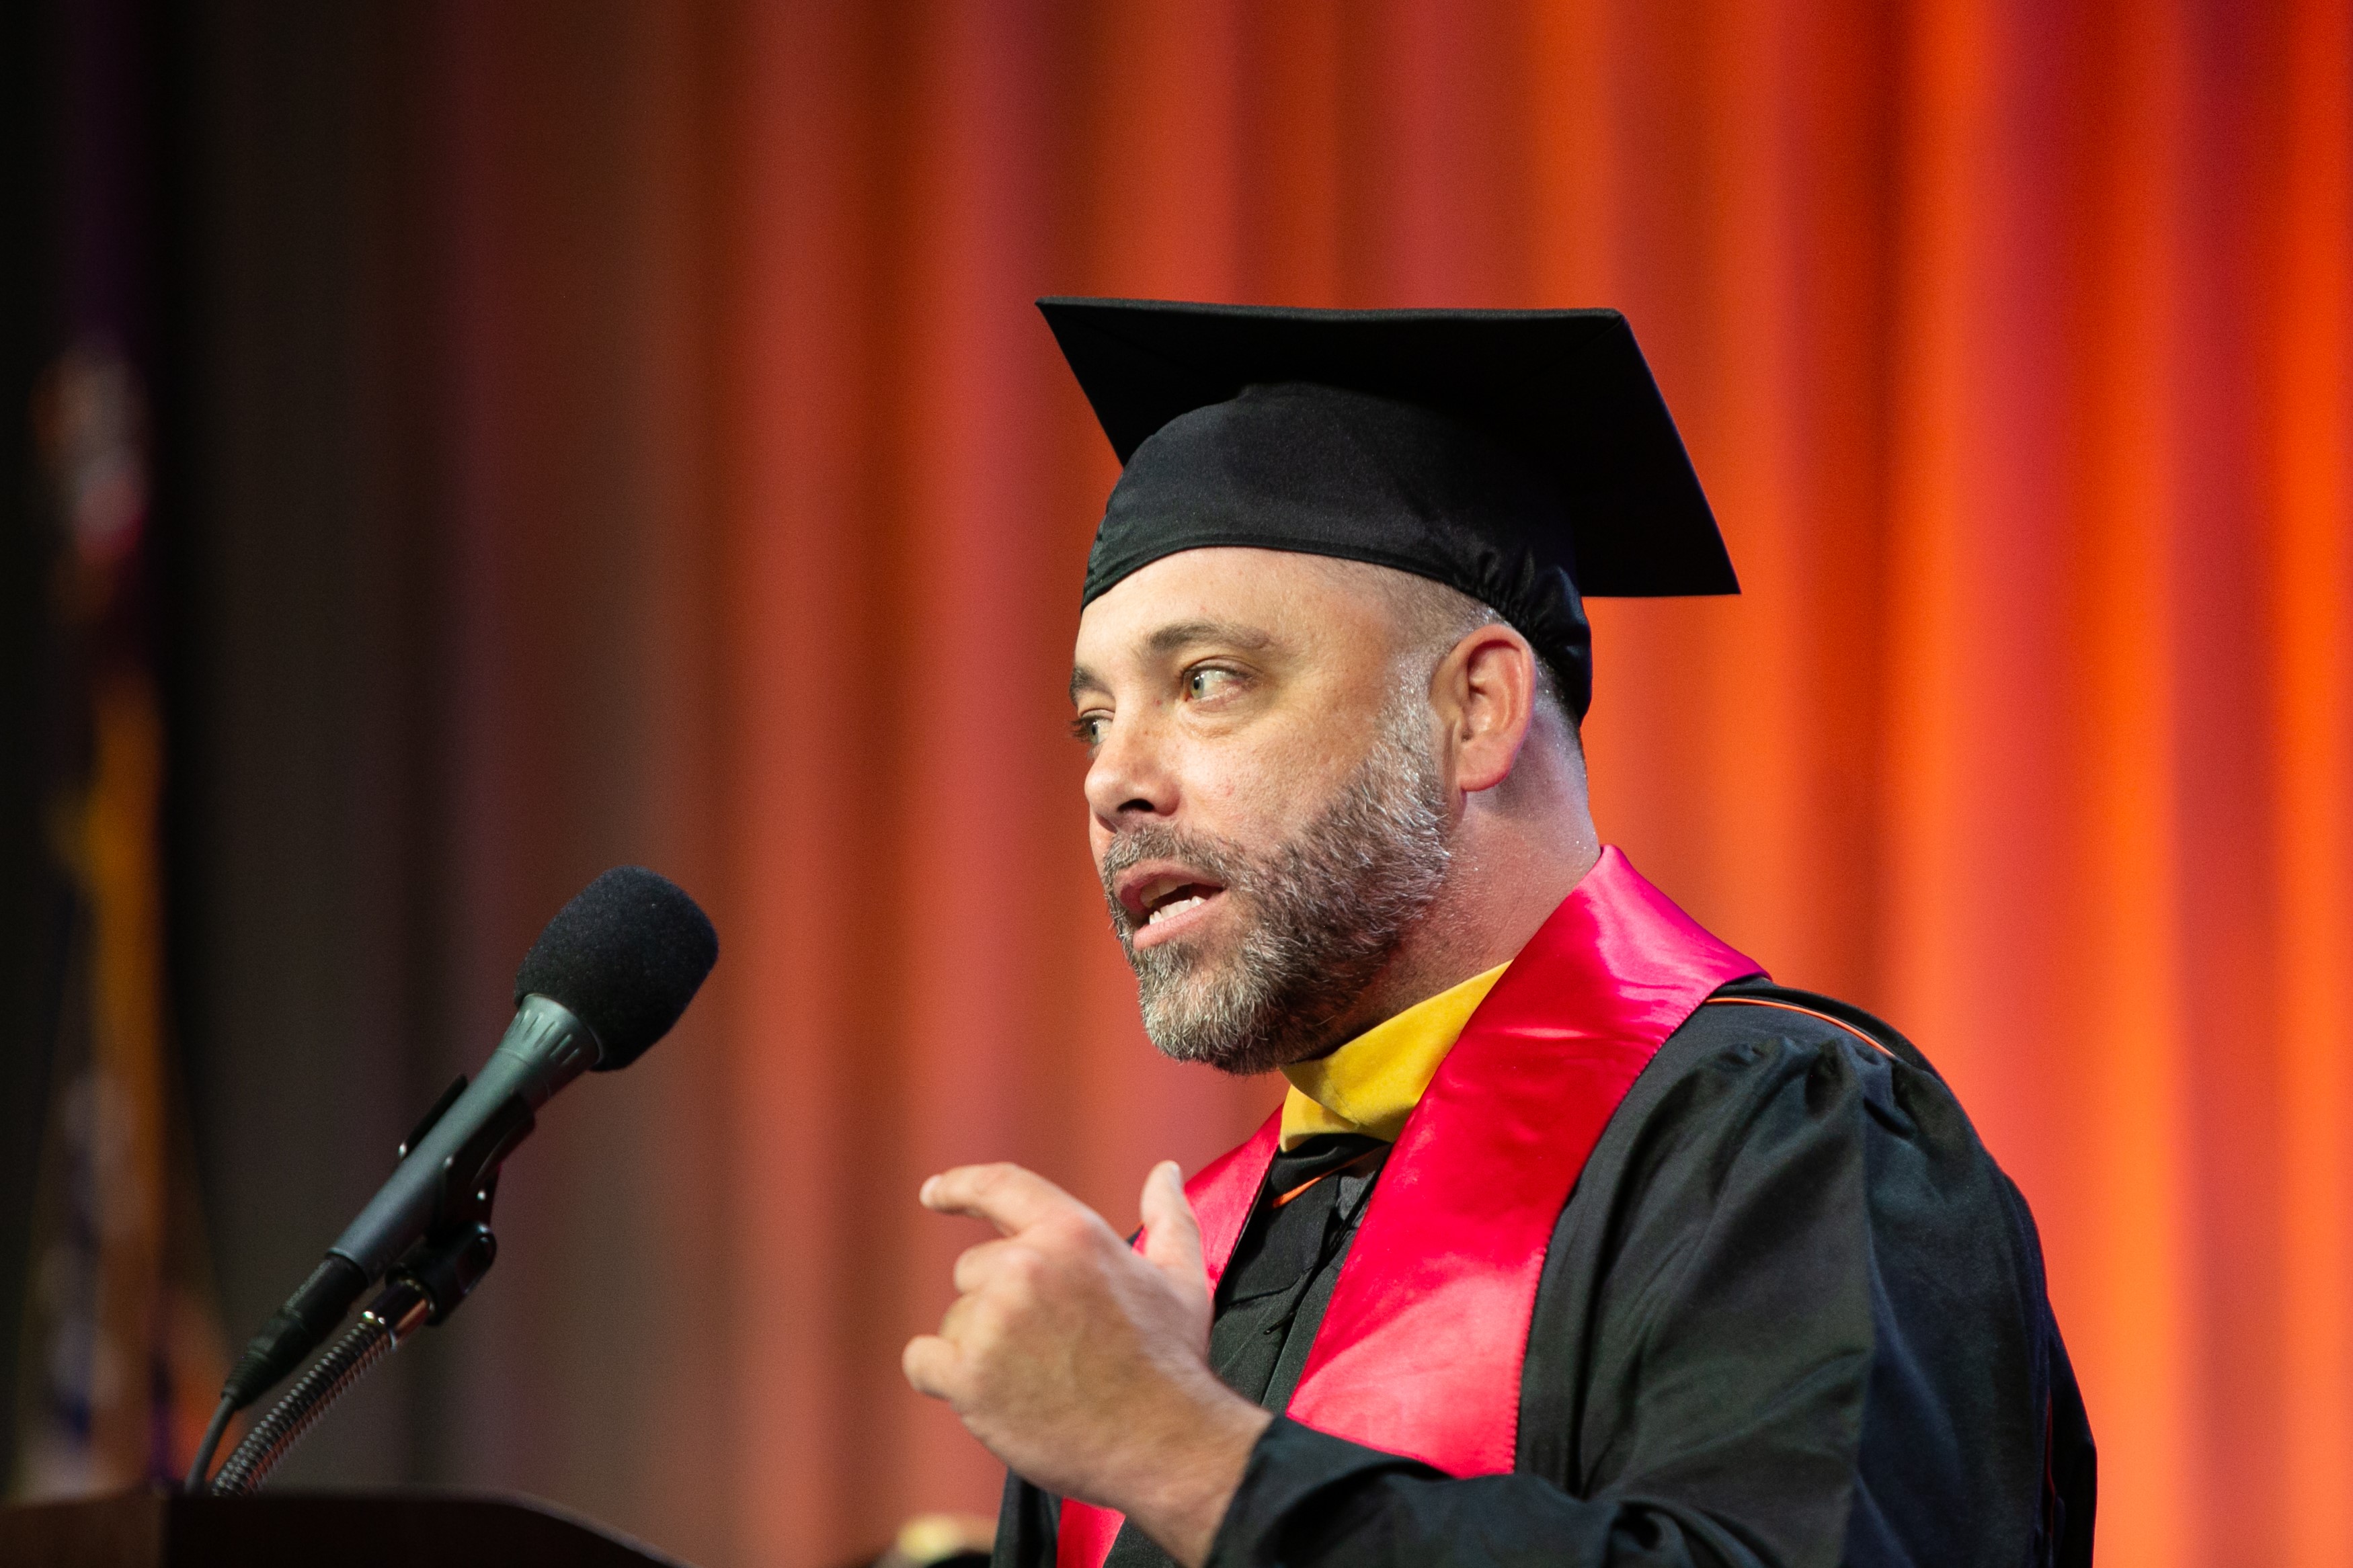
452	1260
448	1261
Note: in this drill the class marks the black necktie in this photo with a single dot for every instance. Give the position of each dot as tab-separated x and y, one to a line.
1313	1196
1311	1203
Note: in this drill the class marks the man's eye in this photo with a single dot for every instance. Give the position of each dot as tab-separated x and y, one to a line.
1201	683
1089	727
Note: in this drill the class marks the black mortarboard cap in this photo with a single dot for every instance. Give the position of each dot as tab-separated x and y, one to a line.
1523	458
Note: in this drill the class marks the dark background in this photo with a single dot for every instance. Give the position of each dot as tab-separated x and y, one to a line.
222	191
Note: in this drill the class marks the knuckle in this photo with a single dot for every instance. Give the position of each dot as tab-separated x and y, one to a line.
920	1361
1067	1232
1021	1269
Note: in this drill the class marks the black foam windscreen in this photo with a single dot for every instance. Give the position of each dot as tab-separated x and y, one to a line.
627	955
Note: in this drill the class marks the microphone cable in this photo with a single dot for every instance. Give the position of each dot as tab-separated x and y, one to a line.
222	1414
388	1320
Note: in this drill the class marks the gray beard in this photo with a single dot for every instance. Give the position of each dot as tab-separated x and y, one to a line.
1324	914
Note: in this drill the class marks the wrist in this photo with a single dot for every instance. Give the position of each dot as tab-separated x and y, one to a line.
1194	1473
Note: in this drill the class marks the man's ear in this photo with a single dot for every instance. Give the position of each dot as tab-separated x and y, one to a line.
1485	695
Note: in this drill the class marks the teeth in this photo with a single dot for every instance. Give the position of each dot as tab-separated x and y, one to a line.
1176	906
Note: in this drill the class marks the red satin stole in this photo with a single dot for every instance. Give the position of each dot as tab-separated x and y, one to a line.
1421	1351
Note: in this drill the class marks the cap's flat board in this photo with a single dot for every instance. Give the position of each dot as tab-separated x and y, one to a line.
1568	389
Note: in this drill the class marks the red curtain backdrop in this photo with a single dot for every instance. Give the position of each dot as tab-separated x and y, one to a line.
2010	339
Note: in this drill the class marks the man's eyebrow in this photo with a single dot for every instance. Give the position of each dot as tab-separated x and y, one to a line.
1175	637
1179	634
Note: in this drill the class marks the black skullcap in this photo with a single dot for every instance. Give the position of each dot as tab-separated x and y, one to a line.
1523	458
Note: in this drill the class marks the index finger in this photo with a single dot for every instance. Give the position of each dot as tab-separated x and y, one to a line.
1007	1197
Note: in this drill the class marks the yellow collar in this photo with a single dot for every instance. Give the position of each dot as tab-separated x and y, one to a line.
1372	1083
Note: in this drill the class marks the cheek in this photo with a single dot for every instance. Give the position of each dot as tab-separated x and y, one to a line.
1258	796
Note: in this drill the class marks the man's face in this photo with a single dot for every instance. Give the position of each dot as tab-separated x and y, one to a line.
1264	804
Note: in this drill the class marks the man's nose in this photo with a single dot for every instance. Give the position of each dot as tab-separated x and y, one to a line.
1129	775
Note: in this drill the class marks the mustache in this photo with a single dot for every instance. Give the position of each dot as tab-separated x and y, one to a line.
1219	860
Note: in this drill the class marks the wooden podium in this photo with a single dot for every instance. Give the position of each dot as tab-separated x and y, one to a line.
284	1529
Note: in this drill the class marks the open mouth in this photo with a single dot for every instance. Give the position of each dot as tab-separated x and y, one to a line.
1160	900
1178	905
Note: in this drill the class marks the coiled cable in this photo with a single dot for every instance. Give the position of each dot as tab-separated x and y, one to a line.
380	1329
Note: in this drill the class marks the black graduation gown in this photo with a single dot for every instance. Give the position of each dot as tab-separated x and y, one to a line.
1791	1314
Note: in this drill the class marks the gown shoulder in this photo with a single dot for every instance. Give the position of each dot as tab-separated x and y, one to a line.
1791	1201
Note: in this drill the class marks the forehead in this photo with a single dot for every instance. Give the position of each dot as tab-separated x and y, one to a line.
1305	604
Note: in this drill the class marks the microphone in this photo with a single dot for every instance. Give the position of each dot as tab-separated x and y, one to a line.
608	978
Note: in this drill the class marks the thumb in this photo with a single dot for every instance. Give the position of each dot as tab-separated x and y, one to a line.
1172	1236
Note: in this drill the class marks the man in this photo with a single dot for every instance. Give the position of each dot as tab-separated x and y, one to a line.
1576	1239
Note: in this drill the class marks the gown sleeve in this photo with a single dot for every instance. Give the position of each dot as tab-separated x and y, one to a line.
1793	1315
1027	1524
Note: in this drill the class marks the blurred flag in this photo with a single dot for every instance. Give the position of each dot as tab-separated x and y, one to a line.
121	1354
